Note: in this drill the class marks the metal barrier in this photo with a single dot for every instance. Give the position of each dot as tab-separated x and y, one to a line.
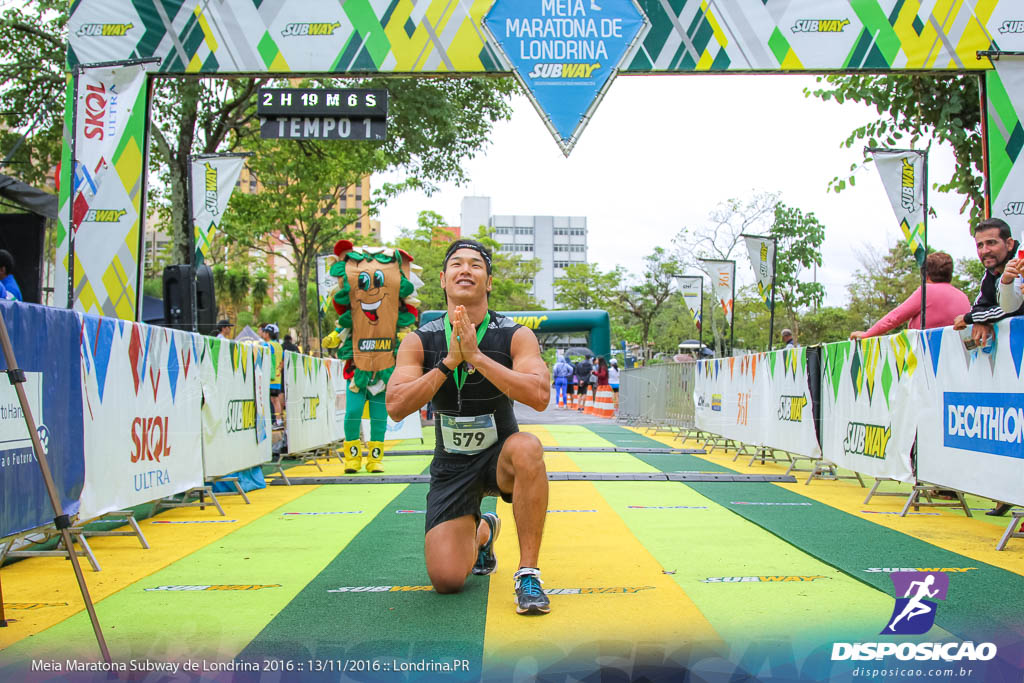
659	395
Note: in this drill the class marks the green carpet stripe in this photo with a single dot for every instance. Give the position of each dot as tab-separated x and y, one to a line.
982	601
404	625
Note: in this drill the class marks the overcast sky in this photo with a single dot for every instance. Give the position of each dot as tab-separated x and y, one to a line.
662	151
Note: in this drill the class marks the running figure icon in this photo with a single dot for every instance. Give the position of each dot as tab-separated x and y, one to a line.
915	607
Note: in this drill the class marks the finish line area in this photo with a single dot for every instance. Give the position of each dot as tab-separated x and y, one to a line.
724	579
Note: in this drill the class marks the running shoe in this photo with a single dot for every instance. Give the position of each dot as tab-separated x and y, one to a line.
530	597
486	562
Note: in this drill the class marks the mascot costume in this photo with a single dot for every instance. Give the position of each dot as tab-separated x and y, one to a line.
376	306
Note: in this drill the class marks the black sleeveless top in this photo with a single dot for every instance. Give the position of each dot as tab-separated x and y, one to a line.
479	396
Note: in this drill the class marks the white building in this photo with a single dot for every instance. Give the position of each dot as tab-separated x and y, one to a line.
557	241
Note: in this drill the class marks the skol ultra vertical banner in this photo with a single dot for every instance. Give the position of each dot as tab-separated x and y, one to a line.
100	235
213	180
868	421
971	410
231	413
903	176
141	405
1005	112
692	289
325	282
762	260
54	389
309	402
335	368
723	276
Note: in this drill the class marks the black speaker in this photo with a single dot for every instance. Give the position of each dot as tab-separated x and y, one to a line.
22	235
178	310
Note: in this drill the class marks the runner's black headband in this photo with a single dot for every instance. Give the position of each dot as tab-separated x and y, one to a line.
468	244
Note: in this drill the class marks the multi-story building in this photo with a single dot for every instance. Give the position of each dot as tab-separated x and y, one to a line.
557	241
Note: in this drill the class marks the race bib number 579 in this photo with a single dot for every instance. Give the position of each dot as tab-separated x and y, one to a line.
468	435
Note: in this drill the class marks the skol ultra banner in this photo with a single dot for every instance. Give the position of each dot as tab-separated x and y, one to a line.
723	281
971	411
101	194
213	180
868	420
141	404
309	402
335	369
1005	90
762	260
325	282
231	411
54	389
903	176
692	289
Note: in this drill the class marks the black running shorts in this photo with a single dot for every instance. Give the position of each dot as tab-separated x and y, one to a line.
458	483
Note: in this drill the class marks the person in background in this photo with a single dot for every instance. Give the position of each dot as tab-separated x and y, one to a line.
600	376
223	325
787	339
269	334
583	370
562	372
996	247
288	345
943	302
613	377
573	389
9	288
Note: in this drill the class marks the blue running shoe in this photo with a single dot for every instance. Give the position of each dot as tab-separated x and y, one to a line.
486	562
530	597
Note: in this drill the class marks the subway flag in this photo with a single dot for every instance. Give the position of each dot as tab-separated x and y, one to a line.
904	177
213	180
762	260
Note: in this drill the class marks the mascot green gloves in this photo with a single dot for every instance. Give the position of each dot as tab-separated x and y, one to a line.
377	307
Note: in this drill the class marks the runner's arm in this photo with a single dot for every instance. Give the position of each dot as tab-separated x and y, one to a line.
528	381
410	388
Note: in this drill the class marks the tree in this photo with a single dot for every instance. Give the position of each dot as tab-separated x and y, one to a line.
643	301
881	283
799	237
826	324
924	107
584	286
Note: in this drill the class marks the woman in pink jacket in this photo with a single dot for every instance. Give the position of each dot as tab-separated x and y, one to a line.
943	302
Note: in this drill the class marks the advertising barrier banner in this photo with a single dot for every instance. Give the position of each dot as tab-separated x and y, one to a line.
1004	90
54	388
868	421
143	437
971	410
309	402
231	434
339	384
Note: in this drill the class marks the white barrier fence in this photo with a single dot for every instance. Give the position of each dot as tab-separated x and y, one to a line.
965	408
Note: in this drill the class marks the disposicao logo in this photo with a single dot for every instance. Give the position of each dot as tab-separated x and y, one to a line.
914	614
820	25
990	423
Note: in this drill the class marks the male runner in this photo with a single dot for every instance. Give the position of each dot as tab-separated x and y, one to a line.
473	363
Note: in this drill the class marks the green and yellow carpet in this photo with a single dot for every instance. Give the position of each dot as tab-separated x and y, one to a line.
649	580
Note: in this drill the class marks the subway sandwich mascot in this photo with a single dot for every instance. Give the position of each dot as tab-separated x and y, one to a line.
377	306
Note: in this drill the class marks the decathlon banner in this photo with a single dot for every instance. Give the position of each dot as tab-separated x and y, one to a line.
230	415
325	282
762	260
54	389
692	289
904	177
142	426
971	410
868	420
309	402
101	232
1005	112
723	283
213	180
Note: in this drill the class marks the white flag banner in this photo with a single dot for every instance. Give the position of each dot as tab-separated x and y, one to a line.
723	277
903	176
762	260
213	180
325	282
309	402
692	289
1008	181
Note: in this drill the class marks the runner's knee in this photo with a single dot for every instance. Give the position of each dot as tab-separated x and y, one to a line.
525	451
447	580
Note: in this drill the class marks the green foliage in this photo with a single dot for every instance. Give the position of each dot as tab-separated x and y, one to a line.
798	248
912	110
752	318
967	276
584	286
880	284
642	302
672	325
826	324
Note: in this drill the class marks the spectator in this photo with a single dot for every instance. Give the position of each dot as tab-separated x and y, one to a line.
1011	295
787	339
223	325
600	375
269	333
583	370
562	372
288	345
613	377
9	288
943	301
996	247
